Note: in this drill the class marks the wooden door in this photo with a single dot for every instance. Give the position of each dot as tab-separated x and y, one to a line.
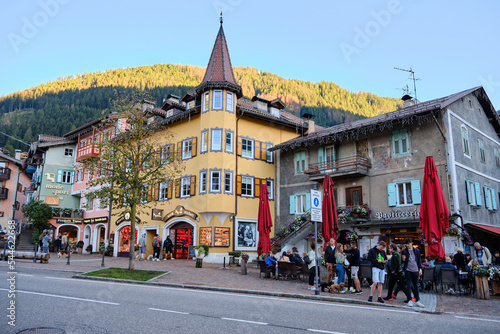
354	196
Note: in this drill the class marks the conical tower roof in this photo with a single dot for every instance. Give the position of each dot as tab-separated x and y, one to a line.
219	73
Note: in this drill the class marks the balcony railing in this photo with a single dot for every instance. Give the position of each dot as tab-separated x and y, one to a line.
87	151
343	167
4	193
4	173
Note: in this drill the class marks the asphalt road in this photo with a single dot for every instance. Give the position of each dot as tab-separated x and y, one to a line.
45	298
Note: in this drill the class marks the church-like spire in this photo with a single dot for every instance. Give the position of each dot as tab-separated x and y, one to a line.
219	71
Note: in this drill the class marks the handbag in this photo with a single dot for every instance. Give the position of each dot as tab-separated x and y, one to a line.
306	259
346	263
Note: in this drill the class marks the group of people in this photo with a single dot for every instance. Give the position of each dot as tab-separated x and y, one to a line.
157	245
341	261
292	256
45	239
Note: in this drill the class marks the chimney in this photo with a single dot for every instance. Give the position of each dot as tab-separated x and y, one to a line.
18	154
311	125
408	101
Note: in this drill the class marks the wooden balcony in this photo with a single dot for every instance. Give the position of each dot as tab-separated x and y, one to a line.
343	168
87	151
4	193
4	173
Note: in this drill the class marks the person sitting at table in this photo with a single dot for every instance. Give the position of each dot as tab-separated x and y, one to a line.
271	262
448	264
496	258
459	259
290	255
427	262
284	257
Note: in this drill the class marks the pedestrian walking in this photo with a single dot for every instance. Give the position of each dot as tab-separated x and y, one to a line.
412	268
156	248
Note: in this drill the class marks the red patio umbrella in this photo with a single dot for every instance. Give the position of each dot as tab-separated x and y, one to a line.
264	222
434	217
330	224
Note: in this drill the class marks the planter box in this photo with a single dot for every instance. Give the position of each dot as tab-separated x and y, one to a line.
495	286
482	288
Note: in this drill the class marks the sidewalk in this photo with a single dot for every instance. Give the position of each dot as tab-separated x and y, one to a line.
184	272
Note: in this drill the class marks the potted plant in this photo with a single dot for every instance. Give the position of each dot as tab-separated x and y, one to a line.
56	212
66	212
109	251
481	275
79	245
89	249
244	260
495	281
77	213
201	252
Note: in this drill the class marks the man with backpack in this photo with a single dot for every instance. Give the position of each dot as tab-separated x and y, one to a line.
156	248
395	273
412	267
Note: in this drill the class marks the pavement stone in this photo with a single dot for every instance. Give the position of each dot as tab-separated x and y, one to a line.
183	273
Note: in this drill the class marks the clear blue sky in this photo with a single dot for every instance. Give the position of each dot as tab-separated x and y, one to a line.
451	45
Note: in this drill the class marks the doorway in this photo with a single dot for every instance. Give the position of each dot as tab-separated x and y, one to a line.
182	237
150	234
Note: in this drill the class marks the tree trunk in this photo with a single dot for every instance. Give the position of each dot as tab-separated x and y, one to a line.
131	259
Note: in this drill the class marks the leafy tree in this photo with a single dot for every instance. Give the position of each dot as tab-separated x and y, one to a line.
131	163
38	213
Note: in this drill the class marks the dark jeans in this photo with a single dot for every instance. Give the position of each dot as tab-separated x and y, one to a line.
412	283
393	279
312	275
156	252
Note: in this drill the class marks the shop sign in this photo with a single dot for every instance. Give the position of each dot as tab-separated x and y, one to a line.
156	214
68	221
179	212
396	214
126	217
95	220
57	190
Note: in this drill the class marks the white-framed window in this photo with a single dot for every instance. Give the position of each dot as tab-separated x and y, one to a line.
215	181
229	142
217	98
144	193
187	149
270	188
247	148
400	142
497	157
230	102
80	175
300	203
473	190
300	162
166	154
65	176
216	140
247	186
490	200
89	204
190	105
68	152
169	113
404	193
203	181
204	141
228	182
103	203
163	191
269	154
206	101
465	140
185	187
482	155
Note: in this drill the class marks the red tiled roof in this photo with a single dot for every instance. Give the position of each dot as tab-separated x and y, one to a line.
219	67
45	138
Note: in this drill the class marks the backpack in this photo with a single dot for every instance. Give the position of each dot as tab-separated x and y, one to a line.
306	259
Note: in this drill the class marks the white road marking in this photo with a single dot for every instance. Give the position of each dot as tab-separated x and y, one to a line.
246	321
169	311
479	319
322	331
64	297
24	275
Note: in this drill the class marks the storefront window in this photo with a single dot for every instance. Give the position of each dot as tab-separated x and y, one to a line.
125	239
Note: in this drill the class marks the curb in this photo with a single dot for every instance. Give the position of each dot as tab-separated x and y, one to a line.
256	292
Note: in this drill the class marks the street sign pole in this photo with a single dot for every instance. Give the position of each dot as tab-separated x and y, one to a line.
316	216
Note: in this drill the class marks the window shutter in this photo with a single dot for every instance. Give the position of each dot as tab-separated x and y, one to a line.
179	150
194	147
395	141
257	149
192	188
238	146
177	188
72	177
308	201
150	192
487	201
403	134
391	194
157	192
292	204
469	192
169	190
477	189
415	192
263	151
238	185
493	199
256	190
59	176
321	155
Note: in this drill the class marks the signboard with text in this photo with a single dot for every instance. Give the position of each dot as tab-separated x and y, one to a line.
316	206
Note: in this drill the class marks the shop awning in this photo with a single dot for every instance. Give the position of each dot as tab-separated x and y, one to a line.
485	228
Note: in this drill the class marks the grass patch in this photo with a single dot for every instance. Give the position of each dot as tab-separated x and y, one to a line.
120	273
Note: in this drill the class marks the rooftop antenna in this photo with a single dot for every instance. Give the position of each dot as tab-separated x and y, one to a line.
412	76
405	89
221	17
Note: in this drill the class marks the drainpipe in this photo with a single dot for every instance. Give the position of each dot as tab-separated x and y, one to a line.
453	171
236	166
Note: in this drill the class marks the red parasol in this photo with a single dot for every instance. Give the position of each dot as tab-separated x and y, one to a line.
264	222
330	224
434	217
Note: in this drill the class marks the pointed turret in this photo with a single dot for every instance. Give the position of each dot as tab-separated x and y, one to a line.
219	73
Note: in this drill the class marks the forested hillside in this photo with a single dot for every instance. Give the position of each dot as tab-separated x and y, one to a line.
57	107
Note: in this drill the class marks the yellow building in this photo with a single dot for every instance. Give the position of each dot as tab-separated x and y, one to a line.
223	140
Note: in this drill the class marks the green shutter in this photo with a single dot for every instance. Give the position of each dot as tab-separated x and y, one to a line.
292	204
403	134
493	199
391	194
59	176
469	192
72	178
321	155
395	142
477	189
487	201
308	201
415	192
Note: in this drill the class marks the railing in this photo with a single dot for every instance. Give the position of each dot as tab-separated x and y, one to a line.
4	193
4	173
87	151
305	222
354	165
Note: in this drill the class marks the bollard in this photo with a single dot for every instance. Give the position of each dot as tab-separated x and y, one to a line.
69	253
4	249
103	252
34	257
